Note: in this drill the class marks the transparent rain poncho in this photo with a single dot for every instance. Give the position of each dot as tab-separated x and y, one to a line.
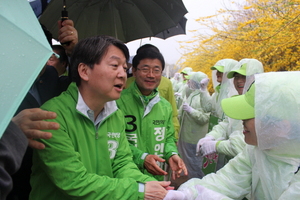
175	80
178	83
227	88
270	169
183	89
230	131
277	121
223	90
193	126
253	67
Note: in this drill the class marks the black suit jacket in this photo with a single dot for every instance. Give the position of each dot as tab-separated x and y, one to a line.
48	85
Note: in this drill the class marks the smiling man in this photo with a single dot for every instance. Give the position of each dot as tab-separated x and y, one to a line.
88	157
149	128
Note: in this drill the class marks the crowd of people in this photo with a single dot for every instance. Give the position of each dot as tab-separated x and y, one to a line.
85	131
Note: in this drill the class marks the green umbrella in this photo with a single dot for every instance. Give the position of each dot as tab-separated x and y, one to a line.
24	51
126	20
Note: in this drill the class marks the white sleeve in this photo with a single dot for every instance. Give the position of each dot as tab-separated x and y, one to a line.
233	180
220	130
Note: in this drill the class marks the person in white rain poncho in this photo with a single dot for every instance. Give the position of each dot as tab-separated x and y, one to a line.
183	90
223	88
227	138
268	167
176	80
193	123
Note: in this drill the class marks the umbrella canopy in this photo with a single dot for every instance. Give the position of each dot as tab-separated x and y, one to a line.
176	30
24	51
126	20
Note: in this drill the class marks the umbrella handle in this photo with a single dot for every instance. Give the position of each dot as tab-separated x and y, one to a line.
64	16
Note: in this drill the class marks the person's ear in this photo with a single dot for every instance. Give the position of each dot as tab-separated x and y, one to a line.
134	71
65	64
83	71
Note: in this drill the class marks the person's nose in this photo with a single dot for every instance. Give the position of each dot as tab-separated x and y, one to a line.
151	73
122	73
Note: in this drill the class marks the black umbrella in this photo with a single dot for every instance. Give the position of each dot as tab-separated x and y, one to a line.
176	30
126	20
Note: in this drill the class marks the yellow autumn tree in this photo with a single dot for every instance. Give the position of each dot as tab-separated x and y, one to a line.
260	29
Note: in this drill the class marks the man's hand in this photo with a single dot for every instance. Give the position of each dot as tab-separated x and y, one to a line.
156	190
177	166
151	165
31	123
67	33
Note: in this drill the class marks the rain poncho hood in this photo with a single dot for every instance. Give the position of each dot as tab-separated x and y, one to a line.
247	67
186	70
224	66
226	88
195	79
183	89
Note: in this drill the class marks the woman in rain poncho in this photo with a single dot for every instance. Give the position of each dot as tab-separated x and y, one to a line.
193	123
227	138
268	168
223	88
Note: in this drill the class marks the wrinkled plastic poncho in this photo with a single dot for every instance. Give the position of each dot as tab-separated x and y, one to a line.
193	126
226	88
183	88
175	80
253	67
231	129
270	170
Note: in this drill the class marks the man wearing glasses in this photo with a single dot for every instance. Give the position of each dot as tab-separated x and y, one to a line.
148	116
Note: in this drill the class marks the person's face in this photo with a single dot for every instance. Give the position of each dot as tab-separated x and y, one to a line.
219	76
147	75
107	79
53	60
239	82
189	84
184	76
249	131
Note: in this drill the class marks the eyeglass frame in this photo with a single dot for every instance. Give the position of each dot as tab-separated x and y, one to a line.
146	70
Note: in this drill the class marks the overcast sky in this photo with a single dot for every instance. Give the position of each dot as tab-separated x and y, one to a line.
170	47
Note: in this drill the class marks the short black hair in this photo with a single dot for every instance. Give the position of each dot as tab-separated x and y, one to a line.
61	52
151	54
146	47
91	50
48	34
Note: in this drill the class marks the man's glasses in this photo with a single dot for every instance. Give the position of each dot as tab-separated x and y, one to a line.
154	71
